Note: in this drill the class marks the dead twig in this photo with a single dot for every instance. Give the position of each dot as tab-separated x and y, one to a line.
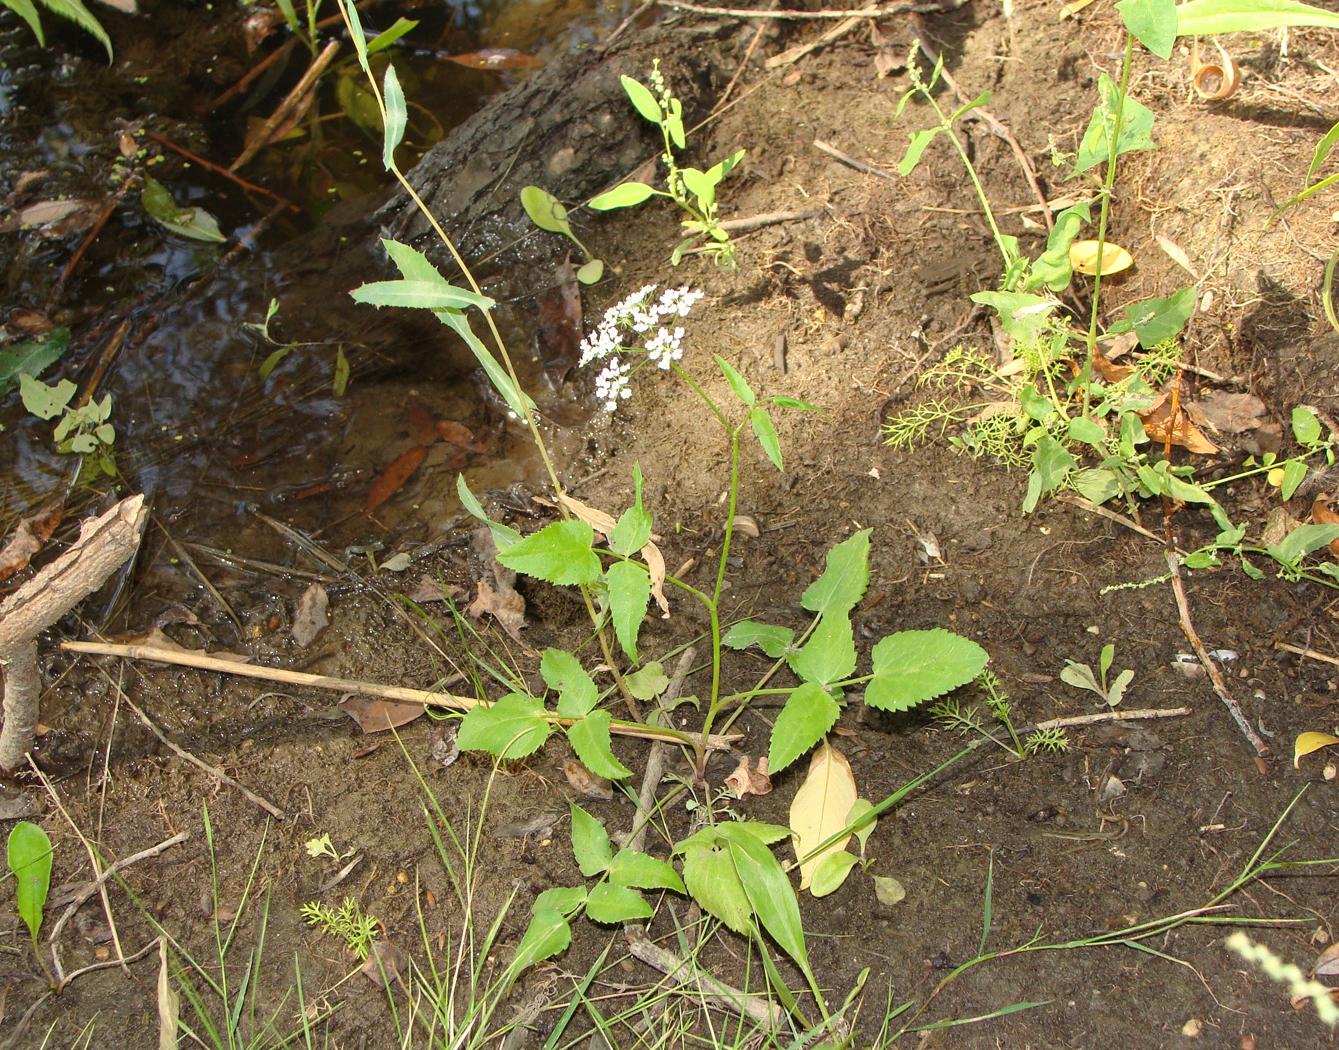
1114	716
1211	668
847	159
794	54
1310	654
767	218
715	742
655	761
292	101
218	169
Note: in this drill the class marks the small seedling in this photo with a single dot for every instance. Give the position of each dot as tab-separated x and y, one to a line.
29	857
339	382
84	430
1081	676
548	213
349	923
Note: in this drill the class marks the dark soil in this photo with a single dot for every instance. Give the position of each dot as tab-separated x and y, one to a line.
864	295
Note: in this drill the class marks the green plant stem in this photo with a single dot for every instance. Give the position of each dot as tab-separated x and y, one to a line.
1108	184
1278	465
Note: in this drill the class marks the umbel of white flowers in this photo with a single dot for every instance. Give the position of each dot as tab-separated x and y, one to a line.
633	328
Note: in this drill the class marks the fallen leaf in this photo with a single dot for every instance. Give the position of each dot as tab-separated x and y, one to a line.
443	747
1114	347
750	778
454	433
385	963
1321	514
375	715
820	807
431	589
1108	370
586	783
1157	424
1278	524
1083	257
1176	254
169	1001
30	535
154	638
392	479
495	58
597	519
888	890
422	426
503	603
559	333
1309	742
1327	964
30	322
1228	413
16	807
311	618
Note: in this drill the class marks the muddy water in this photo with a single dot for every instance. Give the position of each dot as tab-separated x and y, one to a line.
198	428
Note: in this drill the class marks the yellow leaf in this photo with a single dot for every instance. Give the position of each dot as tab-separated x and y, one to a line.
821	807
1083	257
1275	477
1308	742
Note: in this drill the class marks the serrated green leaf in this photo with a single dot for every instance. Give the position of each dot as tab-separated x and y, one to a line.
829	654
913	666
1306	427
710	876
831	872
770	893
737	382
643	872
633	528
32	356
590	843
517	400
1214	17
1152	22
545	210
546	936
642	100
771	639
559	553
762	425
808	714
590	740
612	904
29	855
397	116
647	683
563	673
845	577
424	295
80	15
626	195
629	595
513	727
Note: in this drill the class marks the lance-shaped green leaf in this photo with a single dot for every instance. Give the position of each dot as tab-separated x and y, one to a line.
737	382
761	421
629	595
425	295
503	535
770	894
913	666
805	719
1302	541
634	524
642	100
559	553
844	578
513	727
591	741
590	843
1213	17
397	116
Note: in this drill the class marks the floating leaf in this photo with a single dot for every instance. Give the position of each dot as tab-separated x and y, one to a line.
195	223
495	58
913	666
820	807
1083	258
1309	742
32	356
393	478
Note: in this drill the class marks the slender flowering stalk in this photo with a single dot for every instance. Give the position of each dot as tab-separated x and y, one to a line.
635	328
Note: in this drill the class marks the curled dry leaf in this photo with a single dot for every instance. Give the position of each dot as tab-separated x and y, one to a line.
1217	80
746	525
504	603
820	808
750	778
586	783
443	747
1327	963
1159	427
311	617
1309	742
1321	514
1108	370
1083	257
431	589
375	715
30	535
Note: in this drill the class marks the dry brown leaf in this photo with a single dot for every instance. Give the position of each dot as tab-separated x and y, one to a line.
586	783
1157	424
385	964
1228	413
431	589
375	715
169	1001
311	617
1321	514
392	479
422	426
1175	252
820	808
495	58
750	778
1108	370
503	603
154	638
30	535
1327	963
1114	347
597	519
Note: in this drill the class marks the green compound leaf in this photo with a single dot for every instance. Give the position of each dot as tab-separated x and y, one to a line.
829	654
627	195
771	639
915	148
611	904
1152	22
563	673
590	740
761	421
629	595
590	843
913	666
397	116
29	857
805	719
642	100
513	727
559	553
643	872
844	578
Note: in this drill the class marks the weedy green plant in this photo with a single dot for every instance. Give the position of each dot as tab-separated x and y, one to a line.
1081	676
692	189
955	715
550	214
29	855
348	923
84	430
339	380
74	10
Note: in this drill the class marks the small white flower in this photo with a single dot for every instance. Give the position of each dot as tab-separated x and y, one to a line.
624	328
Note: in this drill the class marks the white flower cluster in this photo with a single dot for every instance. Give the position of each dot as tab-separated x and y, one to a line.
638	320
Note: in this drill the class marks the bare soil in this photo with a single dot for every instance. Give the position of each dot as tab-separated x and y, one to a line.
862	297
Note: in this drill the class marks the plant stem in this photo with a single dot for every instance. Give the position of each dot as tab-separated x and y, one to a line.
1113	130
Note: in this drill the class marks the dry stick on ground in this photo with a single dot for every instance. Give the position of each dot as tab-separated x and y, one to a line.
1311	654
794	54
104	545
743	63
846	158
1215	675
715	742
655	761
